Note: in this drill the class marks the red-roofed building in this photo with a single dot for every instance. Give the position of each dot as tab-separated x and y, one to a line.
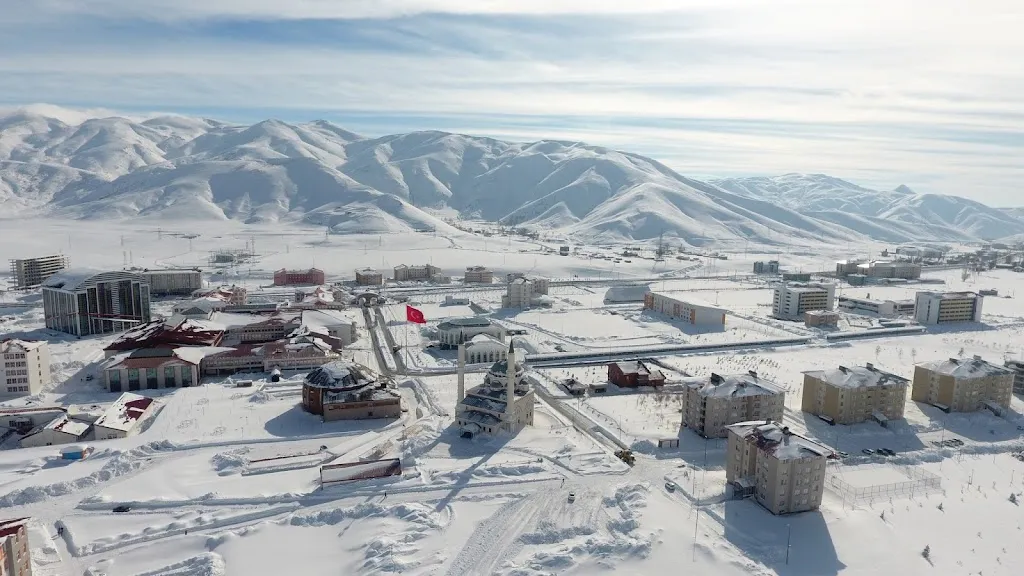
313	276
123	417
160	334
149	369
15	558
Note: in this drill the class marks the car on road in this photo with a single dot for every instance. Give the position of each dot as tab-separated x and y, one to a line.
844	454
572	497
868	451
122	508
670	486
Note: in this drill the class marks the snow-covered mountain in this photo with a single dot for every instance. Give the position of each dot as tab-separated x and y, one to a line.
180	167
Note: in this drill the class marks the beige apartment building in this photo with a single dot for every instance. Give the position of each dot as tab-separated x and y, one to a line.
782	470
963	385
24	367
852	395
710	404
478	275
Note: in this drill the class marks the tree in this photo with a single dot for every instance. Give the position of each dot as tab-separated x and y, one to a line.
940	507
927	553
1013	498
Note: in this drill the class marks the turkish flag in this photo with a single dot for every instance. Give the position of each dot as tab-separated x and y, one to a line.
413	315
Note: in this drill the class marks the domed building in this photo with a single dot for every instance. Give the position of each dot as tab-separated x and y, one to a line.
503	403
345	390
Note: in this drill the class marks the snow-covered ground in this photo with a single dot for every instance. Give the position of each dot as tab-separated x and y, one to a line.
226	480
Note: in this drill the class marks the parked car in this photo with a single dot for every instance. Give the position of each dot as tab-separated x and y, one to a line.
670	486
868	451
844	454
572	497
122	508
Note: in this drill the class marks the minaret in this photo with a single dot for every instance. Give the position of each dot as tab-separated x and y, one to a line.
462	374
510	384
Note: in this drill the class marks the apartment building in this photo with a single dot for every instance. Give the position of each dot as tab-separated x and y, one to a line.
878	269
792	300
369	277
24	367
84	302
692	312
963	385
15	554
405	273
177	282
821	319
311	277
525	292
478	275
947	307
710	404
32	272
782	470
885	308
1018	374
855	394
769	267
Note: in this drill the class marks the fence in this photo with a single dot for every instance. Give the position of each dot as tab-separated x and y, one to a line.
918	481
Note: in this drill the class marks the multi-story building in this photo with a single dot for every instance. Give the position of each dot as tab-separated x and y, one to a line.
478	275
150	369
84	302
455	331
769	267
852	395
782	470
24	367
846	267
947	307
173	281
32	272
890	269
963	385
633	373
821	319
1018	374
15	557
792	300
313	276
876	307
405	273
710	404
369	277
524	292
699	314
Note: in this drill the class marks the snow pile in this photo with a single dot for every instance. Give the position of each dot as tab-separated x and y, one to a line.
412	512
230	462
208	564
120	464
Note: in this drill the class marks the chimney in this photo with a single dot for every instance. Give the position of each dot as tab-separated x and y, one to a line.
462	374
510	384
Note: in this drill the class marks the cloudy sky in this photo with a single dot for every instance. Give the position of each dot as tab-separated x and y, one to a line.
924	92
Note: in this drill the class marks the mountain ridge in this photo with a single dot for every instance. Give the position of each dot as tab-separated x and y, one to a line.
318	172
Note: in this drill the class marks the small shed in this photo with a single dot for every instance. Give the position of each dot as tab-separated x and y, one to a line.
668	443
76	452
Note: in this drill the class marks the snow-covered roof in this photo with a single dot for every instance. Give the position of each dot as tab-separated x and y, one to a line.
950	295
689	300
180	331
66	425
468	322
71	278
733	385
485	341
966	368
778	440
6	345
341	374
125	412
858	377
327	318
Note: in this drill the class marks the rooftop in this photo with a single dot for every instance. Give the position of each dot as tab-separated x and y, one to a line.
778	440
6	345
125	412
733	385
161	334
689	300
151	358
966	368
71	278
950	295
170	271
470	322
341	375
64	424
858	377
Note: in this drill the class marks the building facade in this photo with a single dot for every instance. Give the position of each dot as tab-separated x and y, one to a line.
87	302
947	307
769	267
696	313
60	430
1018	375
405	273
32	272
313	276
455	331
710	404
503	403
24	367
369	277
524	292
124	417
15	554
630	374
178	282
149	369
783	471
963	385
856	394
790	301
478	275
821	319
347	391
885	308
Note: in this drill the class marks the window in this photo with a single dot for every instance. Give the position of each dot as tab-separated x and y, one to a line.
114	380
186	377
151	379
133	378
170	380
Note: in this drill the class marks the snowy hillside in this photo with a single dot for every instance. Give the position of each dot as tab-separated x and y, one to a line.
317	172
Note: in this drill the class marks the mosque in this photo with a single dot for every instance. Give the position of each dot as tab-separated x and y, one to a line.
486	408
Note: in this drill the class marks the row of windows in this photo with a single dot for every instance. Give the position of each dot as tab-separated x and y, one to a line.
17	388
17	380
14	356
15	364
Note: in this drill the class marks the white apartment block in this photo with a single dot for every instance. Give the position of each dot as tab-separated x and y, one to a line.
524	292
24	367
782	470
791	300
963	385
31	272
690	311
947	307
710	404
856	394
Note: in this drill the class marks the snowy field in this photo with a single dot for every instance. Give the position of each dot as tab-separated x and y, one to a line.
225	480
